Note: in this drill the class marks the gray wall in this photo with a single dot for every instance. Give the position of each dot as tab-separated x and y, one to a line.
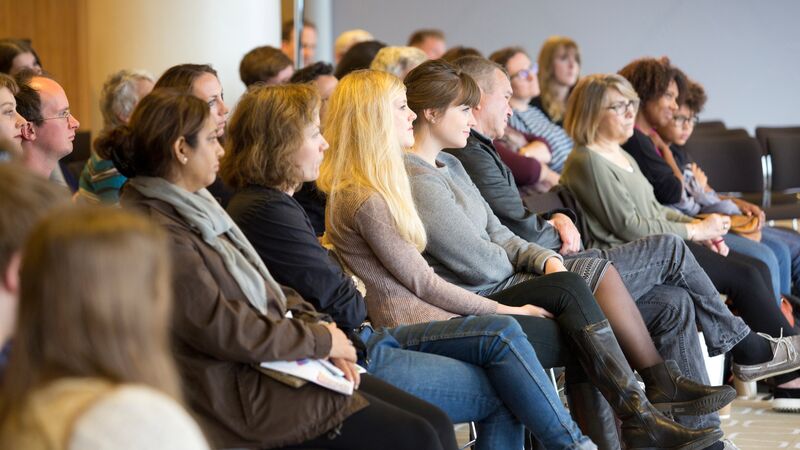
746	53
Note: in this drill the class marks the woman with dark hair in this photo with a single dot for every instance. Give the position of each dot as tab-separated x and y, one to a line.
17	55
109	383
231	315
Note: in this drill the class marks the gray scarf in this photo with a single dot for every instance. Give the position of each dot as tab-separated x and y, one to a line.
207	218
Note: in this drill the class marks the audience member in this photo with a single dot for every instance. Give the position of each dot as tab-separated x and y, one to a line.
659	86
382	243
620	207
51	127
559	67
11	122
25	197
201	80
231	314
110	382
17	55
100	181
308	41
266	168
430	41
348	39
398	61
265	65
359	56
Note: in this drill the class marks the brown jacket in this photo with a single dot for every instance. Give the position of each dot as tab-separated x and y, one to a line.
220	339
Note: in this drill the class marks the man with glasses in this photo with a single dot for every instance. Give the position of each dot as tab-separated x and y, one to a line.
51	128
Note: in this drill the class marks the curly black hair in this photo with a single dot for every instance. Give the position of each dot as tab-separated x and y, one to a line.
650	78
695	98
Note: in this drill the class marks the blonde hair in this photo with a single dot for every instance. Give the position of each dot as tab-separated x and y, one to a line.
350	38
587	104
95	301
547	55
365	151
398	60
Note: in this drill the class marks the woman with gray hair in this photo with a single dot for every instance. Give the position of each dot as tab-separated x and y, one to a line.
398	61
100	182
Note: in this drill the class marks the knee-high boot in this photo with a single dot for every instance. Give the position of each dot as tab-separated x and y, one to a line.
593	415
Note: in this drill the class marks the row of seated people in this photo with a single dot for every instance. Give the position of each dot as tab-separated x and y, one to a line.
383	210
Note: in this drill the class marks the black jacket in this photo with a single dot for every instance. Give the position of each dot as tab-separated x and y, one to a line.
666	186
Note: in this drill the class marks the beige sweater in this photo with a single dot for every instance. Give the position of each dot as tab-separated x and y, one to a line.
401	286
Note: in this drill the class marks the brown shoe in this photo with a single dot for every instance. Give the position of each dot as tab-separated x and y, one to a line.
785	359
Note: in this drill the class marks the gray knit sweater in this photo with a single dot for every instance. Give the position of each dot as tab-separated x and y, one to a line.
401	287
467	244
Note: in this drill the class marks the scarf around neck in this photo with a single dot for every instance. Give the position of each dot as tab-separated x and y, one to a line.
207	218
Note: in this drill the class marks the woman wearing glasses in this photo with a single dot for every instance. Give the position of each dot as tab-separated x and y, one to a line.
620	206
530	122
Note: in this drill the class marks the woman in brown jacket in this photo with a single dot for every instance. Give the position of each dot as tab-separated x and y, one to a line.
230	314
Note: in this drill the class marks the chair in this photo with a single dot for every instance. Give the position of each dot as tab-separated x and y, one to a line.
733	163
709	125
763	134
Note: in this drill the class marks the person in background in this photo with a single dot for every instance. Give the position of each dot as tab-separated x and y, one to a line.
266	65
25	197
398	61
110	383
308	41
11	122
429	40
559	68
17	55
359	56
348	39
100	182
51	126
453	53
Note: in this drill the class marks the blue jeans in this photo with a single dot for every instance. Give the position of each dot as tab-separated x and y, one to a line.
480	369
791	241
778	262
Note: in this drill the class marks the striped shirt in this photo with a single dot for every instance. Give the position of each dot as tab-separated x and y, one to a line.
534	121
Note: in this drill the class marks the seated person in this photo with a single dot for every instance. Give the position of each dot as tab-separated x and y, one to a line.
620	206
11	122
347	39
559	68
265	65
109	383
17	55
266	168
358	57
372	222
308	41
398	61
230	314
430	40
100	181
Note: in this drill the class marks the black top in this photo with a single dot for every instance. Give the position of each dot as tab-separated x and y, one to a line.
666	186
313	202
496	184
681	156
282	235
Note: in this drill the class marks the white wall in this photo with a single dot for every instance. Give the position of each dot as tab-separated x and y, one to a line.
155	35
746	53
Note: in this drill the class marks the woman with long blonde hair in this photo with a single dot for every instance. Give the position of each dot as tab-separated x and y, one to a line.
91	365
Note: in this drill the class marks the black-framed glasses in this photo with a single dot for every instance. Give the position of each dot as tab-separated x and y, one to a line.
525	73
620	108
682	121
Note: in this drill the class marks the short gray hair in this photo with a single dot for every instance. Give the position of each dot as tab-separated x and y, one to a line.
481	70
119	96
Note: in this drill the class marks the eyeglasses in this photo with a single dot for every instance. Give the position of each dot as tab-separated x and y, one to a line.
622	107
683	121
66	114
525	73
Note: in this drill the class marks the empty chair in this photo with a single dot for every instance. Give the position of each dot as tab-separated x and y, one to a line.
709	125
763	133
733	163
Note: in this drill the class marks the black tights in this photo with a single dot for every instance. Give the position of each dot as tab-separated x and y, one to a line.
394	419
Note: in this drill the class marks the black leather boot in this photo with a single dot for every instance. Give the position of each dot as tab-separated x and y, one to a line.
593	415
669	391
643	426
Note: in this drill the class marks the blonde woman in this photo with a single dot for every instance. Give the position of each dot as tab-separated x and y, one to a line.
91	365
559	67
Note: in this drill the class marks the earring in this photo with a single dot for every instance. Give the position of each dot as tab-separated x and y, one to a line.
185	160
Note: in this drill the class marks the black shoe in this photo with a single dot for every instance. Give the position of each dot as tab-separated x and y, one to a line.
671	392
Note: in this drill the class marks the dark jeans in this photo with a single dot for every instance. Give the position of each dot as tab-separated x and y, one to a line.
741	279
393	420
